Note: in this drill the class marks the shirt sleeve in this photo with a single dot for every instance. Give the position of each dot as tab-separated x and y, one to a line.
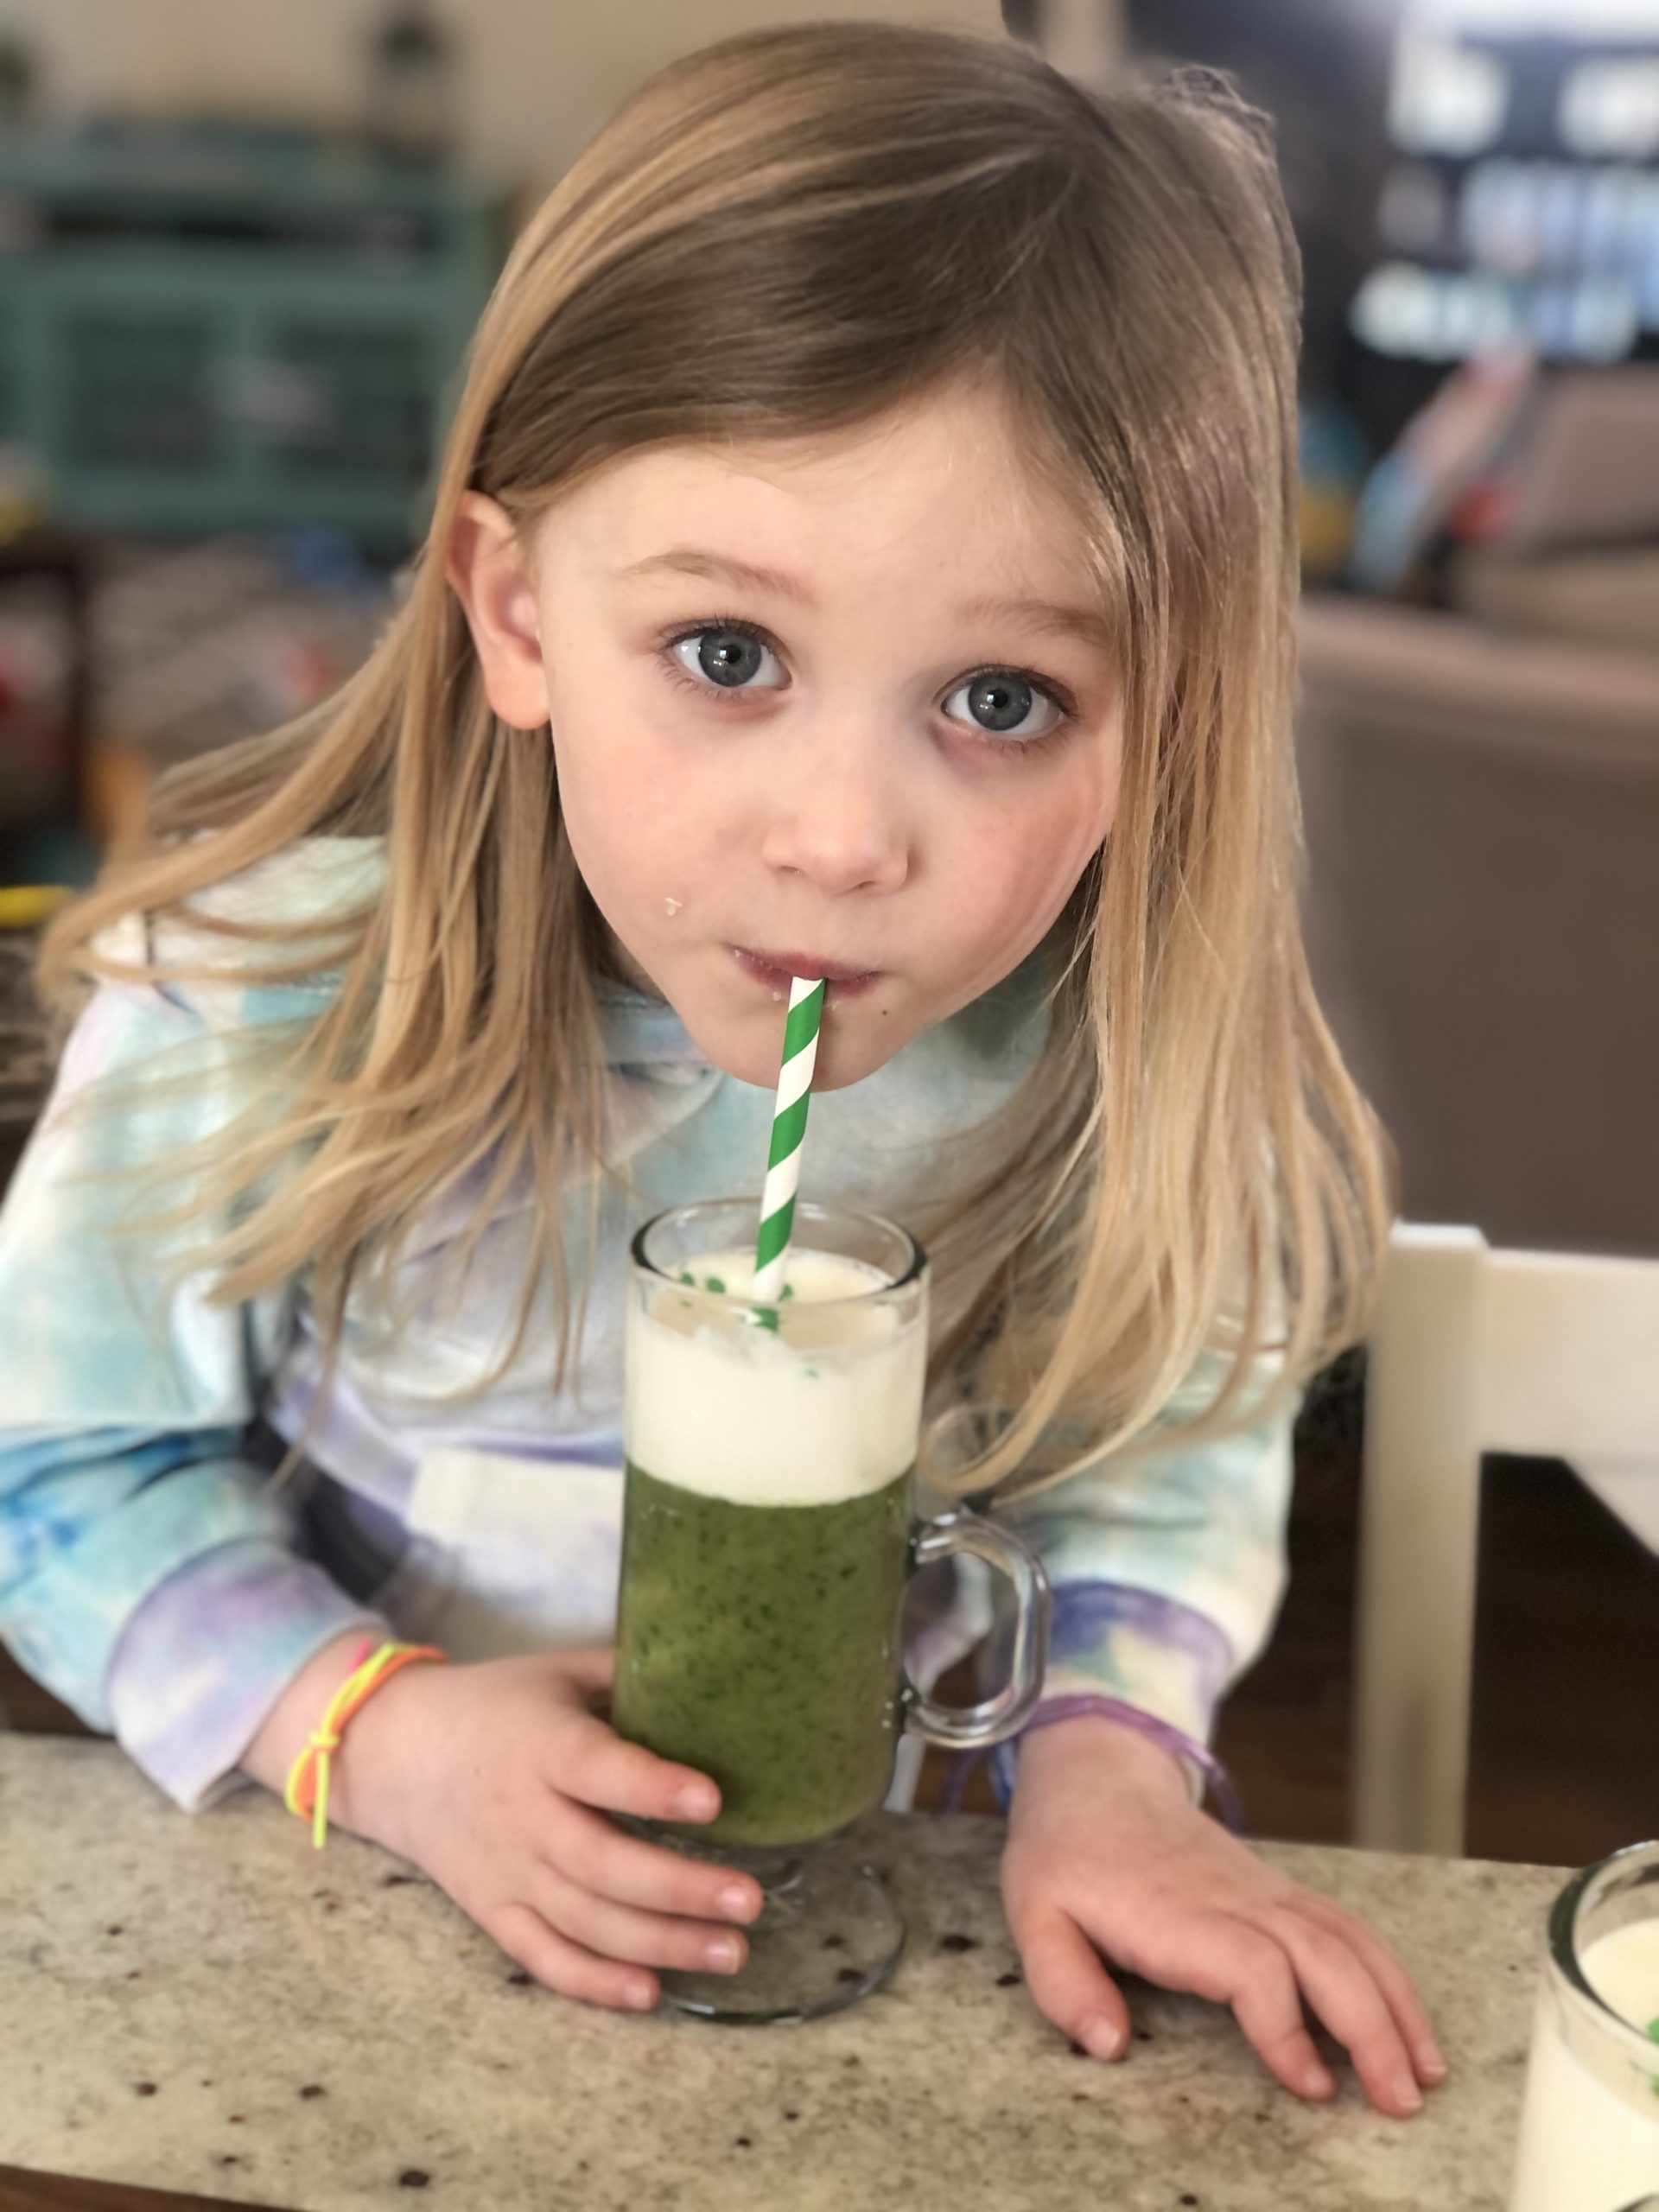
150	1576
1168	1566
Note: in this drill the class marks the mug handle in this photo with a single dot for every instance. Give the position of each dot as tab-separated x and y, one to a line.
994	1719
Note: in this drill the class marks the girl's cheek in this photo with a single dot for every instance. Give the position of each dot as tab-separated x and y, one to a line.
1033	897
1028	865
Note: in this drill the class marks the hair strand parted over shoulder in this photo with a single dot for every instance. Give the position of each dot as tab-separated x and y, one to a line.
789	233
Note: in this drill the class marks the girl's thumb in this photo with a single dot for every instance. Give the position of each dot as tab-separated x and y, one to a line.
591	1669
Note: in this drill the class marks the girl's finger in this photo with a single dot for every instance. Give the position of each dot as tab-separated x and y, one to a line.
648	1939
1248	1970
1068	1982
1340	1988
568	1967
596	1855
1389	1975
597	1766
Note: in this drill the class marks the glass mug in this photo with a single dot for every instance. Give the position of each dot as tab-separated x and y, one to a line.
1590	2119
767	1539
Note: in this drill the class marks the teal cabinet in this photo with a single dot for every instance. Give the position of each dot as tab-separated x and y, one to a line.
231	332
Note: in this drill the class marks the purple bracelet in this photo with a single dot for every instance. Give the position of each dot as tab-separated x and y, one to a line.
1146	1723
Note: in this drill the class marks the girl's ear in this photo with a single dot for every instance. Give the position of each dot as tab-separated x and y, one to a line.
487	572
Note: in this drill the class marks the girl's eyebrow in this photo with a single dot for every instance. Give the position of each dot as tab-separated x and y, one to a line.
1043	617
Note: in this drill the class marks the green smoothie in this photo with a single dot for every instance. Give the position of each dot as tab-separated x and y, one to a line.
766	1538
759	1644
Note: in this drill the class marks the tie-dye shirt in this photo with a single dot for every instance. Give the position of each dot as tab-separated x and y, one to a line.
154	1579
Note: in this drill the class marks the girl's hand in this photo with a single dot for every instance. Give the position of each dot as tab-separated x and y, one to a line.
496	1778
1107	1853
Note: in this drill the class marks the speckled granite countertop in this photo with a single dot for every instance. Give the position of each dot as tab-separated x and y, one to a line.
204	2004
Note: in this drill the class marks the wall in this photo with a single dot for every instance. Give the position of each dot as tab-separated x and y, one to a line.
539	76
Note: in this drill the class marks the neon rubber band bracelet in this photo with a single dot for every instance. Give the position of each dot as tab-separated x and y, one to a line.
367	1675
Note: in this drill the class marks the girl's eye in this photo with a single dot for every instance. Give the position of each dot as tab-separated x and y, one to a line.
721	659
1001	701
723	656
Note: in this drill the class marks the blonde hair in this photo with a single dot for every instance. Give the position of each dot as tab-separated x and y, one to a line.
785	235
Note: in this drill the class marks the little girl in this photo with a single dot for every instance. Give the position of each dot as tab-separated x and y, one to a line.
864	546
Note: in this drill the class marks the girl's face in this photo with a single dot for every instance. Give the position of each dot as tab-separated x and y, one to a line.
840	708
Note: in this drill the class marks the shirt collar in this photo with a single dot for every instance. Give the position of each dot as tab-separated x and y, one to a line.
644	1034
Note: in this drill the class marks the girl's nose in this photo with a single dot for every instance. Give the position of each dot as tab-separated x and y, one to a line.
838	822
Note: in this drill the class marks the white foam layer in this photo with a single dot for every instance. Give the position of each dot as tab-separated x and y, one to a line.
825	1408
1586	2141
1622	1966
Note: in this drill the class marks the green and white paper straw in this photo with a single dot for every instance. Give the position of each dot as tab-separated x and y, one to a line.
788	1132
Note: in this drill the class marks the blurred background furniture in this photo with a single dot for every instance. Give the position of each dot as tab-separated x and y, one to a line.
1483	911
1476	1349
42	757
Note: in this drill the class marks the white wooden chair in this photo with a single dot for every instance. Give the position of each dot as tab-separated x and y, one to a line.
1476	1351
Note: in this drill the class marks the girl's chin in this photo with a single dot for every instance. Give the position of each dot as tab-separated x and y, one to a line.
840	1060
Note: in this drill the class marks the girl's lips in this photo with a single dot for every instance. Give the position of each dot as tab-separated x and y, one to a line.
780	979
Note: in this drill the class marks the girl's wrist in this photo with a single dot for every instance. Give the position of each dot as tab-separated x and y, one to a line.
362	1791
366	1791
282	1735
1101	1743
